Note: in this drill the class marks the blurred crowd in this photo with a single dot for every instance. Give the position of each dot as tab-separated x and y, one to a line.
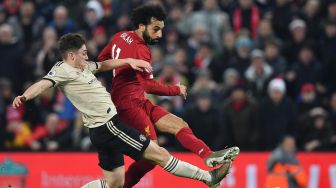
257	70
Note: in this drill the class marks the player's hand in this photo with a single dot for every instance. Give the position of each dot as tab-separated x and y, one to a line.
183	91
140	65
18	101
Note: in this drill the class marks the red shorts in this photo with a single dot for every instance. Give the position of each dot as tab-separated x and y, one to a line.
142	117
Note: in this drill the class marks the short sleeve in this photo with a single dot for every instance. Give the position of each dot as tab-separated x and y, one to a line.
57	75
93	66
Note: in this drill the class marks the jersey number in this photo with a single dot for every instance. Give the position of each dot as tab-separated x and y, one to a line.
115	55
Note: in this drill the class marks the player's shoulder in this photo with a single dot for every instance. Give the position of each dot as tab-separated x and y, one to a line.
59	65
57	69
128	37
60	68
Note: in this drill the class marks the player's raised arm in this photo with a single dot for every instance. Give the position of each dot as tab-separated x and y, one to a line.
33	91
136	64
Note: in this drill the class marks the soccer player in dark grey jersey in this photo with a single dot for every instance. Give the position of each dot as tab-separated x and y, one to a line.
74	75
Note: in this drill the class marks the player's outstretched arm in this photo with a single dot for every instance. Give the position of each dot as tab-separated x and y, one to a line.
33	91
136	64
152	86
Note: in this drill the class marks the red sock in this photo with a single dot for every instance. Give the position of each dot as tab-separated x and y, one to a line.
188	140
136	171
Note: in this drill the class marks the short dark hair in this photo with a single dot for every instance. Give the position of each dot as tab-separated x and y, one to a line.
70	42
143	14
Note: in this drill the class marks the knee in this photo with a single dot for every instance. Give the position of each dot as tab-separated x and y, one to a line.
117	181
184	124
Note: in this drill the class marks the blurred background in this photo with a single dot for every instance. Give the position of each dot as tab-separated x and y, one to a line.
261	74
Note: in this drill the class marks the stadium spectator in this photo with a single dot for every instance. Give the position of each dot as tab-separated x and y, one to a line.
211	17
316	132
50	136
203	117
306	70
42	55
298	30
17	130
225	57
231	78
328	55
171	42
265	33
274	58
204	57
241	116
203	83
11	53
244	46
282	15
246	16
307	99
310	13
277	113
3	15
332	10
199	35
12	7
61	22
26	26
258	73
93	15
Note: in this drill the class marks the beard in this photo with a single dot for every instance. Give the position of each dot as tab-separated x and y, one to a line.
147	39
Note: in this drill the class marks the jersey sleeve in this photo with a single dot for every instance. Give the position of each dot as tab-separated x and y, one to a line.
93	66
57	75
147	81
105	54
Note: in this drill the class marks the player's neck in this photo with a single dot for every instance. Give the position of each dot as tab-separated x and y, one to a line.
139	34
74	64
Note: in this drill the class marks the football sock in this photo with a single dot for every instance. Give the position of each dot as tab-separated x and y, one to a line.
184	169
96	184
188	140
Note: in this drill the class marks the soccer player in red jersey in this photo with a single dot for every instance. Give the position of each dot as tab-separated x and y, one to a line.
129	87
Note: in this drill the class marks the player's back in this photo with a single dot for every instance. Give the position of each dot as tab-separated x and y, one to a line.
125	86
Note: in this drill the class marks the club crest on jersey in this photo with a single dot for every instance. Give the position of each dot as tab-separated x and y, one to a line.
142	138
51	73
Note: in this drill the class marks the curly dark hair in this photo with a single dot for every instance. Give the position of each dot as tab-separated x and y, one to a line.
143	14
70	42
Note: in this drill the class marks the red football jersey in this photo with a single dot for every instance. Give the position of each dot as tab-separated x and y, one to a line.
128	85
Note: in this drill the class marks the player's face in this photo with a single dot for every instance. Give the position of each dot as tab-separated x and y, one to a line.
81	55
153	31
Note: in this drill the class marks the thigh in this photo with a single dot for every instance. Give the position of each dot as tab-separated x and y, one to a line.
154	112
170	124
138	118
114	139
110	160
